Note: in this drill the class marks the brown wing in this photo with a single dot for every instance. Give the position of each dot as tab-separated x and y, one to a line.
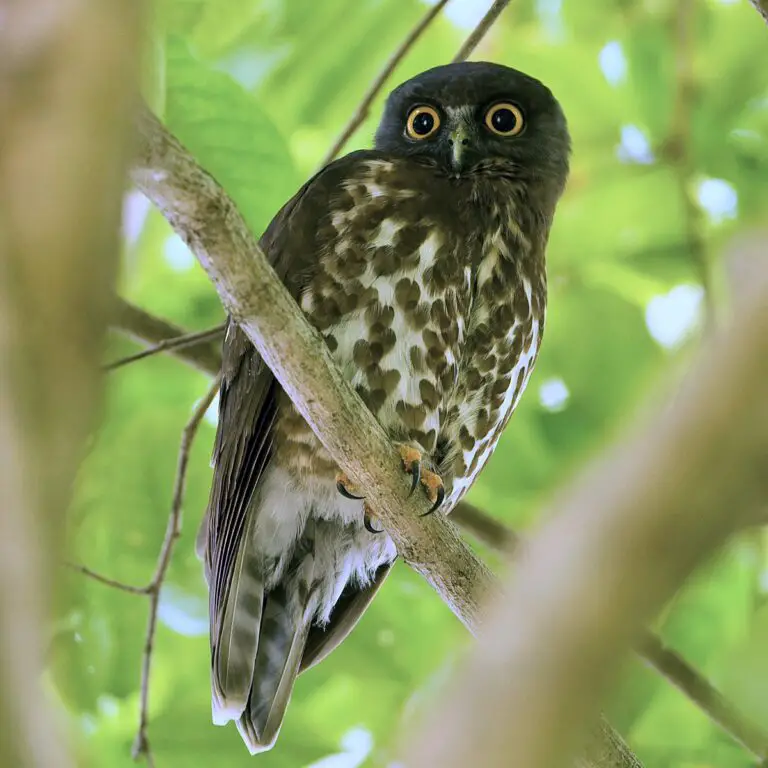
242	451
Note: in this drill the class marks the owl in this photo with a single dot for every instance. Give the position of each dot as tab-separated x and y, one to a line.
422	264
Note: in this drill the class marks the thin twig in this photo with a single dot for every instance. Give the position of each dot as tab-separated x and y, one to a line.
141	745
668	663
373	91
677	148
144	327
106	581
762	8
178	342
480	31
665	661
702	693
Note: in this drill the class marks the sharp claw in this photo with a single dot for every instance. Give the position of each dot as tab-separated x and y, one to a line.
415	471
345	493
368	526
438	501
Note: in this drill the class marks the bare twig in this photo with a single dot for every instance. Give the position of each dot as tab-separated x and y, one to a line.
762	8
677	149
626	536
673	667
64	146
373	91
175	343
141	746
480	31
702	693
667	662
469	45
106	581
144	327
208	221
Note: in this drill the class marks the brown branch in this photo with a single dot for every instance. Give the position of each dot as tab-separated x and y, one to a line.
373	91
141	746
144	327
106	581
64	146
701	692
668	663
208	221
480	31
677	149
762	8
469	45
625	537
181	342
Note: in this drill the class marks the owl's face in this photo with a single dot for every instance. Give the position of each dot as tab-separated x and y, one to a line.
478	117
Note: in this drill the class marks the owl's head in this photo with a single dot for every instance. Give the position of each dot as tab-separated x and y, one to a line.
474	117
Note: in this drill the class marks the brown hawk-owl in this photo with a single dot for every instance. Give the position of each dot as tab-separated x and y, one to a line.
422	264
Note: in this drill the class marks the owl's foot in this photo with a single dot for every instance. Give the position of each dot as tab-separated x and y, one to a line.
346	487
367	515
432	482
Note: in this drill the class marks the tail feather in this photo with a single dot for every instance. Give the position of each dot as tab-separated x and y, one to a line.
237	640
261	642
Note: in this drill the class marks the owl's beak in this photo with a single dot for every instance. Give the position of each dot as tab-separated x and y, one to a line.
458	141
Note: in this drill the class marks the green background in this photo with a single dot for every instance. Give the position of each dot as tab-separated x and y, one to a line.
258	90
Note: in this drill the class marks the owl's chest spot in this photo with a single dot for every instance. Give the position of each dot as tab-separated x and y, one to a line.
396	327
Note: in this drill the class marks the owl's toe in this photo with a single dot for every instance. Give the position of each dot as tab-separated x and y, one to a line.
345	487
432	482
435	489
367	515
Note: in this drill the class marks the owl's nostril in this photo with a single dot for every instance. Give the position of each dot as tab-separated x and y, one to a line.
450	142
465	142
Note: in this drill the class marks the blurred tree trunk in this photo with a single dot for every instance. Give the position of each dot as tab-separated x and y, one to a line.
68	71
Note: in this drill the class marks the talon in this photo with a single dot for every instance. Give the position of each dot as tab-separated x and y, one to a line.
438	501
411	463
433	484
415	471
369	527
342	483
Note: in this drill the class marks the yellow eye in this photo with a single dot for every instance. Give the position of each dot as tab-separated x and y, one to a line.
504	119
422	122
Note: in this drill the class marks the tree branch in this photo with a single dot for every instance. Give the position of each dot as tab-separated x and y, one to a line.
147	328
64	146
667	662
762	8
141	746
625	537
208	221
373	91
181	342
480	31
677	149
469	45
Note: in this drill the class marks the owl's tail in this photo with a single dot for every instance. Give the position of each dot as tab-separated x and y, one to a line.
257	651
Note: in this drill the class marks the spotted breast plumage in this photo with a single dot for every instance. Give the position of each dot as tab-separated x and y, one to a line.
422	264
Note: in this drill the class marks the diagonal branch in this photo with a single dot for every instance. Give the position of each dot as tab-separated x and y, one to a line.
469	45
373	91
208	221
144	327
141	747
480	31
762	8
667	662
181	342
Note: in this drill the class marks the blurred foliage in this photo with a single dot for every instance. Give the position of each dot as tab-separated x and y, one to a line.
258	89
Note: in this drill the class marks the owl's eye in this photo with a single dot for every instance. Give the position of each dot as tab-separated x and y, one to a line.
504	119
422	122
